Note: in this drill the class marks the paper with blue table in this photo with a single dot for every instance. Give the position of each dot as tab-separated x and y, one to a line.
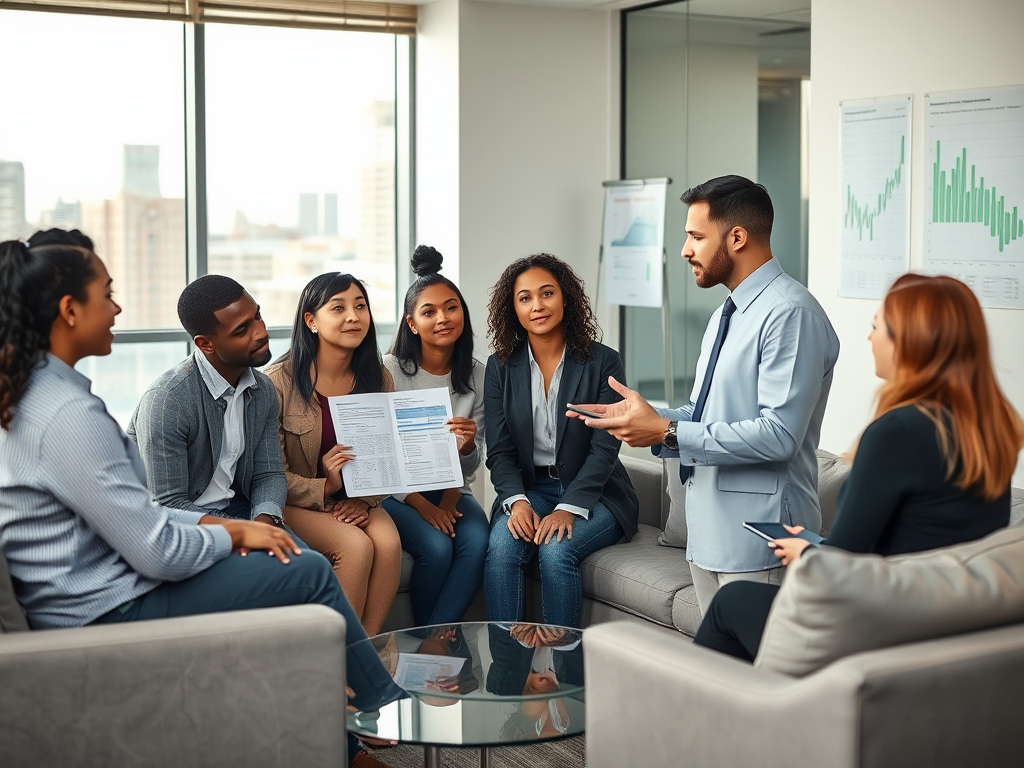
401	441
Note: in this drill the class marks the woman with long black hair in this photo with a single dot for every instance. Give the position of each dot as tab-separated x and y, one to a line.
84	542
334	353
562	493
446	531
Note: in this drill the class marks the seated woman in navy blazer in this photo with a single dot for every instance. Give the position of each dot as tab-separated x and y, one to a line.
562	493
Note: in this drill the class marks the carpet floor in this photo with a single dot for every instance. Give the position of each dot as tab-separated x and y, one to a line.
567	753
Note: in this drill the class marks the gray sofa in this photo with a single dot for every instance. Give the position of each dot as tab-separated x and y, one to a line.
647	582
644	581
935	703
262	688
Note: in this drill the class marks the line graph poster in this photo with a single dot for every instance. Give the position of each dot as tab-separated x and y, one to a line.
875	176
974	201
633	242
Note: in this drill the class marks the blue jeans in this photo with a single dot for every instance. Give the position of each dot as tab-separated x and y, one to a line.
448	572
560	584
258	581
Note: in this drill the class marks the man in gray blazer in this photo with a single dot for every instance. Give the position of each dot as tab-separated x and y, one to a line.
746	441
207	428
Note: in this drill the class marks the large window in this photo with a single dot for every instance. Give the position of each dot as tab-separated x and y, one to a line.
269	154
301	161
95	129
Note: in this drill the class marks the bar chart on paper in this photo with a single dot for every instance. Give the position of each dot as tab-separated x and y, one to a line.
974	201
875	246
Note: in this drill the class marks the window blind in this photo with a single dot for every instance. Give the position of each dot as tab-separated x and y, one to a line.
353	15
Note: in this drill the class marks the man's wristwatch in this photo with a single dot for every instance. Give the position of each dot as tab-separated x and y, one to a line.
275	519
670	439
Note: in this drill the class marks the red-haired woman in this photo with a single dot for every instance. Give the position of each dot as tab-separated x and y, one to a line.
932	470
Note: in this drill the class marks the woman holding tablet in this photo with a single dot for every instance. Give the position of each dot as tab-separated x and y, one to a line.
334	352
561	491
932	470
446	531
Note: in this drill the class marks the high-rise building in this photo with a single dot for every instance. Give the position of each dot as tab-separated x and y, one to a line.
330	214
12	200
309	214
141	237
62	215
318	214
377	188
141	170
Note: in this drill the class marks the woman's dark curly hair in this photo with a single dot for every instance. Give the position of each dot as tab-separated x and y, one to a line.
578	323
36	275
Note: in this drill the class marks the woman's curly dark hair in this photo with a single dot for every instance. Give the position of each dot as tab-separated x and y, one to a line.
578	323
36	274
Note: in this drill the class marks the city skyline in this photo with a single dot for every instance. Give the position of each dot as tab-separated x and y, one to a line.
275	125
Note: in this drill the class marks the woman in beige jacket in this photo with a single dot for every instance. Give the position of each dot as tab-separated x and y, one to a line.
334	352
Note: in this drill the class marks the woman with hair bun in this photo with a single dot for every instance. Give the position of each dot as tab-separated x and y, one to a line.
445	531
932	469
562	492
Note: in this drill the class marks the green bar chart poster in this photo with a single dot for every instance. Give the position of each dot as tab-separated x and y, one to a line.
875	194
974	196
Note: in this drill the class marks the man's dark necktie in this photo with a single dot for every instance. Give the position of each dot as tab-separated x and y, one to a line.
728	308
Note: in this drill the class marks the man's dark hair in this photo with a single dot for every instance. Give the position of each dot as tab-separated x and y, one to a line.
203	297
734	201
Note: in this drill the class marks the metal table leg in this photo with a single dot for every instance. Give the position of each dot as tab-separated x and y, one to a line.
432	757
485	757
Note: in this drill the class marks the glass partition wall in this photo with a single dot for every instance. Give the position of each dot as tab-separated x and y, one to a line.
704	95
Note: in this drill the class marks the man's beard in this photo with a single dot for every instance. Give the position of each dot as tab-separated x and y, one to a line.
716	271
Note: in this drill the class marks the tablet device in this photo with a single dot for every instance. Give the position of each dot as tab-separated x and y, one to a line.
581	412
773	531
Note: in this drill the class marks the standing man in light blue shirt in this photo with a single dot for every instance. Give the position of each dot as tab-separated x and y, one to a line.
207	428
746	441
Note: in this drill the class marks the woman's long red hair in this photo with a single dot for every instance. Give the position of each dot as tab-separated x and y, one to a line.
944	367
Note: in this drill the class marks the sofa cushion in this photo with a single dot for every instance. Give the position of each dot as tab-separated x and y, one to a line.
1016	506
12	618
674	523
637	576
647	476
686	611
832	473
836	603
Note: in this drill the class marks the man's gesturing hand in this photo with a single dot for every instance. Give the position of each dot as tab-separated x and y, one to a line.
632	420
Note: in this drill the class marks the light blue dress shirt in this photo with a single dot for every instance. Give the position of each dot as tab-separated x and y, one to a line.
753	451
77	525
219	492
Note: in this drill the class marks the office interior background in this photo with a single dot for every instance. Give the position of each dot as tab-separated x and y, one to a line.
272	153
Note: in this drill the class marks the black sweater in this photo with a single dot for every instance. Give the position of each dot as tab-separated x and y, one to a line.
897	498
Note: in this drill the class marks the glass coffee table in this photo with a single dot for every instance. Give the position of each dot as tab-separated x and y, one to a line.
477	684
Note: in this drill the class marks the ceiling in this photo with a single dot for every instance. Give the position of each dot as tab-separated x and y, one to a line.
782	10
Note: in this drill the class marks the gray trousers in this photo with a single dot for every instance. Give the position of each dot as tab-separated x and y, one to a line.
707	583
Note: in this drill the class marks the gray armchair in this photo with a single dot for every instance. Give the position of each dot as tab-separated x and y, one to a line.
658	700
254	688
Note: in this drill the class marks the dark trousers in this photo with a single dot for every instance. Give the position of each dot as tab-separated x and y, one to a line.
448	572
736	619
260	581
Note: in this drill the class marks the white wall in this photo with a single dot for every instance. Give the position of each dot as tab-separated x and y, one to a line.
530	96
877	48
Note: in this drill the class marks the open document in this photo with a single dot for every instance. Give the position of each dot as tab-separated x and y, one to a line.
416	671
401	441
